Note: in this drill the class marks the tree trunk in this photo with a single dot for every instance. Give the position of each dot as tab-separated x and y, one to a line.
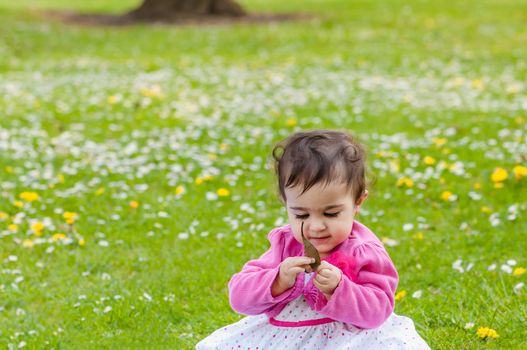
167	9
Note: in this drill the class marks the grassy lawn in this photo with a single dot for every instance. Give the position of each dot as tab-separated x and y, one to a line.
114	143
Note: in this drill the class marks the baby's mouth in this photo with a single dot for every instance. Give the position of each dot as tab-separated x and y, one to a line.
318	239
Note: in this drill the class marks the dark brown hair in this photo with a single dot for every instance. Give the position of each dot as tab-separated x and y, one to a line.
320	156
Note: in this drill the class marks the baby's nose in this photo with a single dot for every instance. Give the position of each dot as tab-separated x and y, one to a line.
317	225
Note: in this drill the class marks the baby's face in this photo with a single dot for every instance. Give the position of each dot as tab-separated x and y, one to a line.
327	212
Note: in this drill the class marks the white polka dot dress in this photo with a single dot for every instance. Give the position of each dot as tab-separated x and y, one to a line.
299	327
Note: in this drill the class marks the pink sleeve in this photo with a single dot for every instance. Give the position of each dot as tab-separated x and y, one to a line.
250	289
365	295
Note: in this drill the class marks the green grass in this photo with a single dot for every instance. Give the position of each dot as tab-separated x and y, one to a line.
94	118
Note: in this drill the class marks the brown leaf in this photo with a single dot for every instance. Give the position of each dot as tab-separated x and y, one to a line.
310	250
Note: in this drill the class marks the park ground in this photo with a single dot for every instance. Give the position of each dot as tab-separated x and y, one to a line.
135	172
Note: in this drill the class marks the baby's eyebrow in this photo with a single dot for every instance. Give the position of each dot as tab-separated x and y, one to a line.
333	206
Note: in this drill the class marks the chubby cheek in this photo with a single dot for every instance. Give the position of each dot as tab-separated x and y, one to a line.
346	228
340	230
298	237
295	227
297	232
345	224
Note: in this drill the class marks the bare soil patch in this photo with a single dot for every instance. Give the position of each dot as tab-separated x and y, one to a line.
95	19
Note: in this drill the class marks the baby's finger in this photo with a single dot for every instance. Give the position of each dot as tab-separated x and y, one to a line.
315	283
324	265
297	261
303	260
318	284
321	287
303	268
295	270
321	279
325	273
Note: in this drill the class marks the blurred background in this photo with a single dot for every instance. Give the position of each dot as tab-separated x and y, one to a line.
135	173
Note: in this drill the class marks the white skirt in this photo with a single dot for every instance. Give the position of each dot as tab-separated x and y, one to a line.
258	333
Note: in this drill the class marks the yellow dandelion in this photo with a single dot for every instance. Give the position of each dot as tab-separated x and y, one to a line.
291	122
13	228
27	243
223	192
134	204
439	141
29	196
419	236
37	228
499	175
58	237
394	166
519	172
478	84
9	169
113	99
153	91
453	166
99	191
429	160
477	186
70	217
3	216
200	180
498	185
519	120
179	190
486	210
60	178
518	271
446	195
224	146
400	295
82	242
405	181
486	332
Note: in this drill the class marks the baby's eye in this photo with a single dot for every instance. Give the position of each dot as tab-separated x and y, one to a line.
302	216
332	215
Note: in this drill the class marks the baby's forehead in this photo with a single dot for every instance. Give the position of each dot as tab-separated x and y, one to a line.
318	198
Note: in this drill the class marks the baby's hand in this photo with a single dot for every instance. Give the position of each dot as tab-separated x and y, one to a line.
289	269
327	278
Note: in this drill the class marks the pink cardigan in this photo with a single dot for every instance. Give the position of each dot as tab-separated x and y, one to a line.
363	298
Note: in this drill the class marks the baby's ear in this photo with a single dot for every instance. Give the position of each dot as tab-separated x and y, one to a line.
362	198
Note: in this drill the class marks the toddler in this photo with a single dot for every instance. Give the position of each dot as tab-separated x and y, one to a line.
345	300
